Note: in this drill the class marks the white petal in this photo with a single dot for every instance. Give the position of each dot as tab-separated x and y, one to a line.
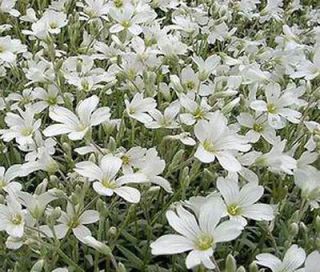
204	155
227	231
89	217
81	232
171	244
249	194
228	161
294	258
56	129
110	166
89	170
258	212
312	262
229	190
268	260
130	194
259	105
101	190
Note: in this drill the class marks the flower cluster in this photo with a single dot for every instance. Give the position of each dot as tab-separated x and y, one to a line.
121	120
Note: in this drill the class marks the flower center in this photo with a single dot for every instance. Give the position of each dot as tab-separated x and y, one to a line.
16	219
1	49
258	127
190	85
198	114
52	100
26	131
118	3
74	223
233	209
53	25
126	24
204	242
125	159
271	108
207	145
110	184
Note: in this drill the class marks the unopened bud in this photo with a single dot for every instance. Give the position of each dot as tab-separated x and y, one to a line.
38	266
293	229
121	268
231	264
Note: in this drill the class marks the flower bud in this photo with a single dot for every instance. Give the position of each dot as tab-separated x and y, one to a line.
231	264
42	187
121	268
241	269
253	267
112	232
97	245
38	266
293	229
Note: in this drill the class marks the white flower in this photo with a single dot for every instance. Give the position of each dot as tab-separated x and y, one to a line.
241	204
48	98
167	119
44	162
35	203
50	23
307	69
105	181
77	125
293	259
194	111
258	127
277	106
218	141
126	19
12	217
309	182
6	177
199	238
132	158
277	160
139	108
7	6
206	67
22	127
9	48
73	220
151	167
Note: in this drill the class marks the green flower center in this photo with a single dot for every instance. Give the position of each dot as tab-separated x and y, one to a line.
110	184
118	3
198	114
52	100
258	127
190	85
126	24
233	209
204	242
74	223
207	145
16	219
53	25
1	49
271	108
26	131
125	159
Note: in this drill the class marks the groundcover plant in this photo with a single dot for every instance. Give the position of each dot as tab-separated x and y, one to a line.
160	135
